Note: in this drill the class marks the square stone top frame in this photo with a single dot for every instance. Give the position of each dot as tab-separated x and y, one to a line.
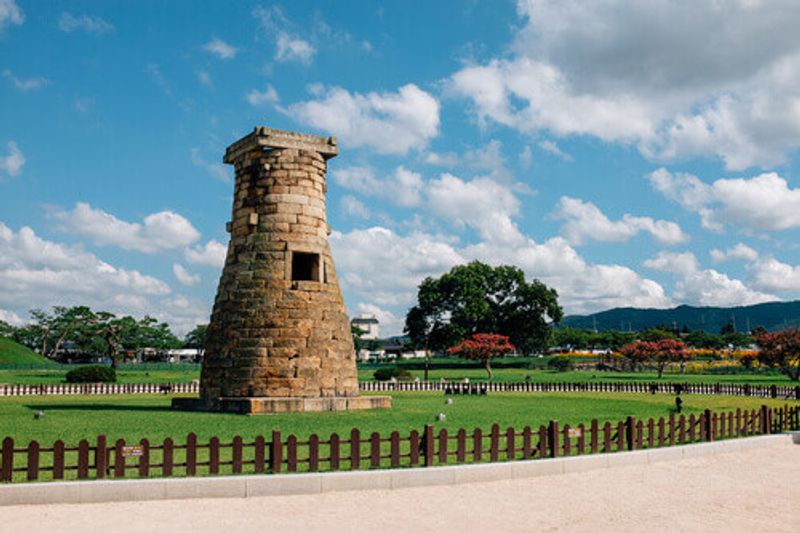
264	137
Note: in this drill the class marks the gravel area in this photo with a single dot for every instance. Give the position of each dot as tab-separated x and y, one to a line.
752	490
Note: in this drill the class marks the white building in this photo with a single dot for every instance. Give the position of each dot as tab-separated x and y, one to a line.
369	325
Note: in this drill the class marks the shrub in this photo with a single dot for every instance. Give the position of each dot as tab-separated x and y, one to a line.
561	364
92	374
387	373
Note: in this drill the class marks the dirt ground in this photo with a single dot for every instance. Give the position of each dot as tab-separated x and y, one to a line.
753	490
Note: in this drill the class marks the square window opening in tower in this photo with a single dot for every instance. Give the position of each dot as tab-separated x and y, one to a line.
305	266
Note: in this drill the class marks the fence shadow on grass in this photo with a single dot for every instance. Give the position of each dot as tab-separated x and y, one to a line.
97	407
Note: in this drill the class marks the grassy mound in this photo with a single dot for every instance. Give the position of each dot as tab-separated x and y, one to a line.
15	354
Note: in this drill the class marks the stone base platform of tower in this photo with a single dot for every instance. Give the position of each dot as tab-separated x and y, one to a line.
270	405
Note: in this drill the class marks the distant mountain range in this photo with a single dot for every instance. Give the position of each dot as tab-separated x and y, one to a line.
772	316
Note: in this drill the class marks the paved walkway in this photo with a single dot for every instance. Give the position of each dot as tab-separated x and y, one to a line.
753	490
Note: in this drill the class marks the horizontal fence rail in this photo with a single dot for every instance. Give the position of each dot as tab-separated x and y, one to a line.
727	389
427	448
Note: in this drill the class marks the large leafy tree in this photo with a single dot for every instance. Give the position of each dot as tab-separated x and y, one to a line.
781	349
196	338
475	298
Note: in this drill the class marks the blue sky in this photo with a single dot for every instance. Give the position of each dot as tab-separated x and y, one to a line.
624	153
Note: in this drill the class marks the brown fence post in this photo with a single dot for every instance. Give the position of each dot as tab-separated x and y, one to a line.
427	445
413	447
167	457
191	454
83	459
764	420
58	459
291	453
236	455
442	446
259	453
355	449
213	455
275	452
334	451
144	459
313	453
553	438
709	425
630	433
7	471
101	456
375	450
494	443
33	461
477	445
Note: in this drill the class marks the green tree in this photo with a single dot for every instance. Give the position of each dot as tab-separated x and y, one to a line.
6	329
196	338
475	298
357	340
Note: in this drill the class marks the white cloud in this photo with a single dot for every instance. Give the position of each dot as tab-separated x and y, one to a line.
552	148
216	169
353	207
184	276
289	45
585	222
25	85
449	159
10	14
210	254
379	267
387	321
11	318
291	48
769	274
402	187
69	23
389	122
182	313
204	78
35	273
526	157
12	163
705	287
760	204
482	204
260	98
645	74
739	251
158	231
384	268
220	48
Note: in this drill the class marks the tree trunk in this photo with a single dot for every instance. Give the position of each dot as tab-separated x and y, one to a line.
660	371
488	366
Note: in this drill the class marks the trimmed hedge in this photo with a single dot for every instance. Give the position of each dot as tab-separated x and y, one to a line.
92	374
387	373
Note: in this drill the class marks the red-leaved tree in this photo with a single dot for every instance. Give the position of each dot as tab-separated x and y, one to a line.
658	353
483	347
781	349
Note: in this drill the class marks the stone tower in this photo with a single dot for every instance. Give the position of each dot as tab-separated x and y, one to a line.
279	338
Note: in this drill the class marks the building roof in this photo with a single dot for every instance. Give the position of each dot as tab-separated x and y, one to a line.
359	320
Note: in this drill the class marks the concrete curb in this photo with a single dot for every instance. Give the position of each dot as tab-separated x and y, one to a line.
288	484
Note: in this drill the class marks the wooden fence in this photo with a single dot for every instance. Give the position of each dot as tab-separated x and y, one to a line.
759	391
276	454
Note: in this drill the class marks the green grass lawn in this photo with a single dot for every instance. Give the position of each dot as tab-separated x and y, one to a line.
133	417
12	353
187	373
177	374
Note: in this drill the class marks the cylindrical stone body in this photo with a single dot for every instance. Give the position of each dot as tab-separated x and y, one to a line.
279	326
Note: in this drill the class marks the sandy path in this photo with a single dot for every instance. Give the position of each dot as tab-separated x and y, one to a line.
753	490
